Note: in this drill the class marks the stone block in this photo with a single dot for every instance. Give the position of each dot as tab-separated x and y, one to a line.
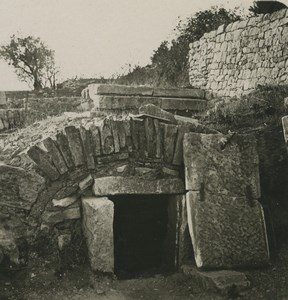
169	141
114	89
75	145
63	146
226	221
65	202
107	141
112	158
43	161
179	93
96	139
54	217
150	137
158	139
285	129
86	182
98	214
115	135
183	104
88	150
153	111
56	156
222	281
19	188
178	152
114	185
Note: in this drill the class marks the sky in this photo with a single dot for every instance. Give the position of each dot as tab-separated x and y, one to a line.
93	38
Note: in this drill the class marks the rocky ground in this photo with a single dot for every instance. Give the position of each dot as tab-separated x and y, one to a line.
42	281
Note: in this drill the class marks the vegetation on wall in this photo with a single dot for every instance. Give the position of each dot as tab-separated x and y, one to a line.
169	62
266	7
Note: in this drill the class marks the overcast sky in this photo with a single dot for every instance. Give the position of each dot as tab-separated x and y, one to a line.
95	37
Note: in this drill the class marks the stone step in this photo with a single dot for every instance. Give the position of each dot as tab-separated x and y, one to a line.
223	280
134	102
113	89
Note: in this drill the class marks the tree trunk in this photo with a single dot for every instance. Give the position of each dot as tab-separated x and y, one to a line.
37	84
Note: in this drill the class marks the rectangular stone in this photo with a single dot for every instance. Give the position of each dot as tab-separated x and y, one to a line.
98	216
86	137
285	128
107	141
121	131
179	93
75	145
169	141
159	138
178	152
96	139
226	221
153	111
115	135
63	146
183	104
86	182
57	158
135	132
65	202
115	89
42	159
114	185
112	158
150	137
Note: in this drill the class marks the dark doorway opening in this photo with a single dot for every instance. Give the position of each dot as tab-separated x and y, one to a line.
140	234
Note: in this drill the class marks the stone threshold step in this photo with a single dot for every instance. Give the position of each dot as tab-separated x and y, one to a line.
113	89
222	280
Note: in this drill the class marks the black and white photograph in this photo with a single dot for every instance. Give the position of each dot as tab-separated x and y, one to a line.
143	150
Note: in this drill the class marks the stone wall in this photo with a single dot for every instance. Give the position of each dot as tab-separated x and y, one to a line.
233	60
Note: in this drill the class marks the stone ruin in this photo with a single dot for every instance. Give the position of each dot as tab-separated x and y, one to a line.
152	189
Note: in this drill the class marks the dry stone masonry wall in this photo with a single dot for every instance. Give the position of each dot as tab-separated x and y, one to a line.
233	60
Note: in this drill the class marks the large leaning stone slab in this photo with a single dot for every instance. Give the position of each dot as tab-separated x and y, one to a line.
226	221
114	185
63	146
98	229
117	89
156	112
179	93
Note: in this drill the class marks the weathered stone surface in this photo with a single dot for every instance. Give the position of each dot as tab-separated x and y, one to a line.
107	141
114	185
98	229
121	131
8	245
18	187
178	152
96	139
75	145
158	138
150	136
42	159
57	158
112	158
135	132
54	217
183	104
156	112
86	182
66	191
142	170
170	135
114	89
285	129
88	150
222	281
225	219
115	135
65	202
179	93
171	172
63	145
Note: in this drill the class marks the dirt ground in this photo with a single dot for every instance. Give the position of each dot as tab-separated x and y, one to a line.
41	282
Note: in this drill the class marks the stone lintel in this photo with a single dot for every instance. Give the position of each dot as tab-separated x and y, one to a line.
114	185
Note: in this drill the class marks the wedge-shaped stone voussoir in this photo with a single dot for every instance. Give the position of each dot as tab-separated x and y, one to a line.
98	229
153	111
114	185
